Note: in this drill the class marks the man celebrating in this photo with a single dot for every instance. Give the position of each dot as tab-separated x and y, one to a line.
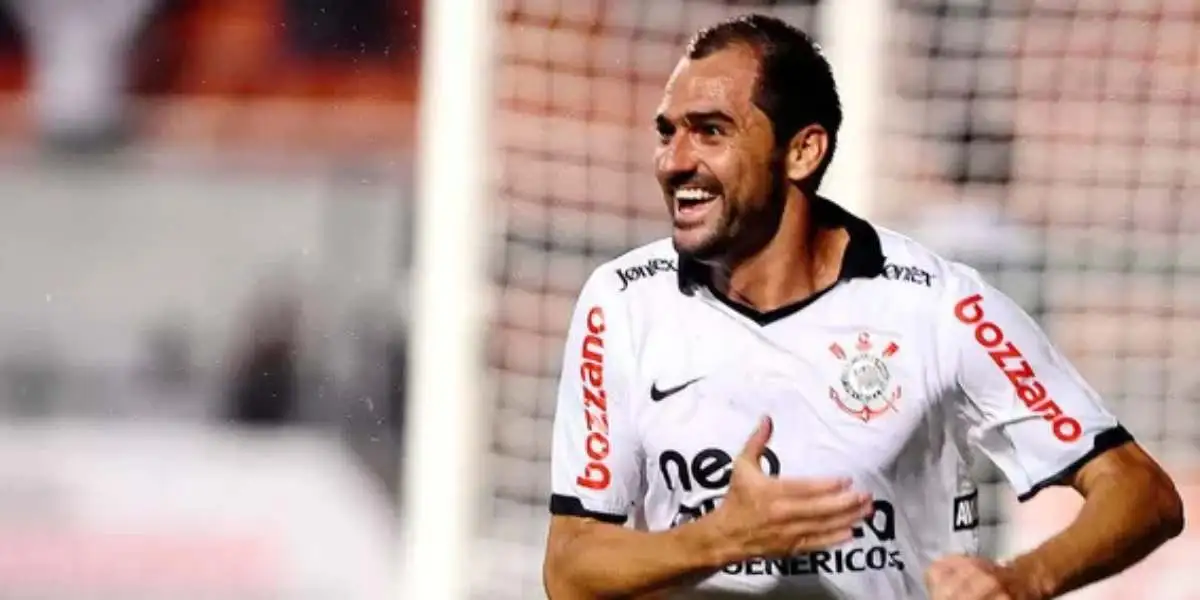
780	399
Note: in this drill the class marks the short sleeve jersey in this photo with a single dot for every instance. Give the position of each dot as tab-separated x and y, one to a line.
886	377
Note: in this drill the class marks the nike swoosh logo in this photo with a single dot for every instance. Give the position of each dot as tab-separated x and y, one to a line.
658	395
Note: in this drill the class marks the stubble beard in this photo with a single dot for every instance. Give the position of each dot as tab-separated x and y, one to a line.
737	233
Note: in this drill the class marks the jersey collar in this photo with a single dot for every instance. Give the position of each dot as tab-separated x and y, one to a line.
863	258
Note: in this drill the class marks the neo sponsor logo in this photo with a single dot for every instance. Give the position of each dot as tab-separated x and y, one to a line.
596	475
709	470
907	273
653	267
1012	363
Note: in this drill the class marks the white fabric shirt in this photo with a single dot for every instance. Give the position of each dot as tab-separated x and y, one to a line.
886	378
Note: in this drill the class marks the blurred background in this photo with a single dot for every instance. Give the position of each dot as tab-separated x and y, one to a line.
205	248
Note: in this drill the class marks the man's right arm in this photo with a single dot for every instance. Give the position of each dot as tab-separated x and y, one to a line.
759	516
588	559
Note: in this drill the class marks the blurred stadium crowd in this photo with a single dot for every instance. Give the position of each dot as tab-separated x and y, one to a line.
132	115
205	208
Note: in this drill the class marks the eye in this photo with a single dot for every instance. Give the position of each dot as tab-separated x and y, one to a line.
664	131
710	130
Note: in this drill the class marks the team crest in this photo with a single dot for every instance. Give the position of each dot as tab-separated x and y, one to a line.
866	391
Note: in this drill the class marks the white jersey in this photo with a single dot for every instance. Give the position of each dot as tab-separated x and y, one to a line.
886	377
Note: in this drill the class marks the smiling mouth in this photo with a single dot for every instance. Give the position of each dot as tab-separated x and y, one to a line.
691	205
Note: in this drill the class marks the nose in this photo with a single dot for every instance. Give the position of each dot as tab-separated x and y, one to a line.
677	159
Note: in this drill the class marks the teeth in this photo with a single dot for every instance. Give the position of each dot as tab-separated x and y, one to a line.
693	195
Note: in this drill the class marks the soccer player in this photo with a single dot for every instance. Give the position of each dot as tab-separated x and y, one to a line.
780	398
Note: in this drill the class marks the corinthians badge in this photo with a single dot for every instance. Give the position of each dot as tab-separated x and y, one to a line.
865	391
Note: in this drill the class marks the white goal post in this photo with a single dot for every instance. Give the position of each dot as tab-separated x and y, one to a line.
449	300
854	38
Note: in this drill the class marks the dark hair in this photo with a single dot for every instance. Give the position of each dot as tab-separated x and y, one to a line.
795	86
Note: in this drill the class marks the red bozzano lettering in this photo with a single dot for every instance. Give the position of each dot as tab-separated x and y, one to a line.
596	475
1014	366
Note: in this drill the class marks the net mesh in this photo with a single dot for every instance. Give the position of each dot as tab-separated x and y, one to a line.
1047	143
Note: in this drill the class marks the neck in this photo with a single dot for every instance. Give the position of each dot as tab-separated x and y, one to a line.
800	260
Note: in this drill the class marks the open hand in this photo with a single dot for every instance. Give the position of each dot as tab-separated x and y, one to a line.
763	516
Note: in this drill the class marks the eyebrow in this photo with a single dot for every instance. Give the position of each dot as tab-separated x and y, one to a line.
661	120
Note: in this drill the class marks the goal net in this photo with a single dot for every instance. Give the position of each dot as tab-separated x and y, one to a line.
1047	143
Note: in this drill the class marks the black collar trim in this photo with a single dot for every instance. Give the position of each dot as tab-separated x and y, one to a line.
863	259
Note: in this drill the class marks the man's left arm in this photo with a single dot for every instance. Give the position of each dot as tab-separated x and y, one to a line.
1042	425
1130	508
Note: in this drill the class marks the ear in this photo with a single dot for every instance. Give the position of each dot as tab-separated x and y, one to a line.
806	151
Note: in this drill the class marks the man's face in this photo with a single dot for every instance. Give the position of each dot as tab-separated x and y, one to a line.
715	155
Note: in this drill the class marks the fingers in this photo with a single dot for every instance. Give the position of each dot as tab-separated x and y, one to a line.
830	506
807	488
958	586
757	443
959	578
822	508
823	539
834	518
938	575
814	534
944	580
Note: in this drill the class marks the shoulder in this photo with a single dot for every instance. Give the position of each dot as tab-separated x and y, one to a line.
652	268
925	273
630	291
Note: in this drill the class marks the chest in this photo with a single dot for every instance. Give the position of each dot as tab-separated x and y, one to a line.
845	398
